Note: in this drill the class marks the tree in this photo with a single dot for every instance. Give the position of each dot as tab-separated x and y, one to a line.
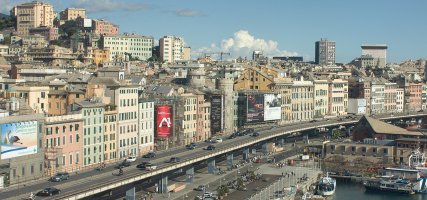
336	133
69	28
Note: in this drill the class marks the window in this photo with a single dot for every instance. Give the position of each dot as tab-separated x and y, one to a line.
32	169
71	139
71	159
23	171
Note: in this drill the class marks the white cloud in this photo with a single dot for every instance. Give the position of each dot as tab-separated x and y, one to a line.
109	5
243	44
187	13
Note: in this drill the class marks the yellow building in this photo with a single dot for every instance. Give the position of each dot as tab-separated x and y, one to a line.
283	86
338	97
35	96
321	98
100	56
110	133
32	15
253	79
72	14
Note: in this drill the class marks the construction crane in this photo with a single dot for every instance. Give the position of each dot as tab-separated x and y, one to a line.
216	53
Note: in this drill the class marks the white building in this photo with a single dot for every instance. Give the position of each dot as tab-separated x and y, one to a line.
377	51
357	106
126	99
400	94
171	49
338	97
146	126
138	46
377	97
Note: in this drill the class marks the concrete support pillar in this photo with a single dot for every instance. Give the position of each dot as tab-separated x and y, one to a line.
211	166
190	175
230	160
329	135
163	184
245	153
264	148
281	142
130	194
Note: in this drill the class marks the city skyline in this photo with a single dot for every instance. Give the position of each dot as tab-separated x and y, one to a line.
280	28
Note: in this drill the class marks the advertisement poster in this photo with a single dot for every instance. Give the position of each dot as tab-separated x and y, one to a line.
272	107
164	121
18	139
217	113
255	108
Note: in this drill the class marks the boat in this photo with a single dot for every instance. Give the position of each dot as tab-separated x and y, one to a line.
326	186
387	184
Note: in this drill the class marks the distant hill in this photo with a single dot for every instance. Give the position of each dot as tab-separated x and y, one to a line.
3	15
6	21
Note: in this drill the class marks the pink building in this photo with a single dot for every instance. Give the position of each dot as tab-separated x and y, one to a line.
63	143
49	33
415	91
103	27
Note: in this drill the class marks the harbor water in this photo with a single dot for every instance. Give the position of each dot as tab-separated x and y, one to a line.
355	191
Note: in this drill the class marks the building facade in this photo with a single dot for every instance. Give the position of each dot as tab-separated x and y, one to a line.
171	49
378	53
145	126
103	27
137	46
325	52
32	15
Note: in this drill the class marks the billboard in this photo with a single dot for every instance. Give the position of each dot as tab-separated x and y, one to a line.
18	139
255	111
272	107
87	23
164	121
217	113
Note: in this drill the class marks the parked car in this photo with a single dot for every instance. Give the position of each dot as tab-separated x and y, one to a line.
234	135
123	164
218	140
131	159
142	165
191	145
49	192
60	176
210	147
150	155
208	195
200	188
174	159
255	134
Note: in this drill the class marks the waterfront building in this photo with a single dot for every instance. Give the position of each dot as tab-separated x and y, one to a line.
146	126
110	133
415	94
338	97
302	101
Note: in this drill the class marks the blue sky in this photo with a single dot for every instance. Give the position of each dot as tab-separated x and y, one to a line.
277	27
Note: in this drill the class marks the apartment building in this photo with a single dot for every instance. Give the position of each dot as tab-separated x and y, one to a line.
110	133
253	79
321	98
126	99
302	101
49	33
338	97
137	46
415	91
146	126
171	49
31	15
390	97
400	101
325	52
377	97
103	27
63	145
93	132
34	95
283	86
100	56
72	14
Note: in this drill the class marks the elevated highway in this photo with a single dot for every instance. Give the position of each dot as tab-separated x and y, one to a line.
94	182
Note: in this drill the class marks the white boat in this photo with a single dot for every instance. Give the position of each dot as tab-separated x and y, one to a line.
326	186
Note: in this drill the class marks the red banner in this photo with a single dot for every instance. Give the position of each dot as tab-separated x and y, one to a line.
164	121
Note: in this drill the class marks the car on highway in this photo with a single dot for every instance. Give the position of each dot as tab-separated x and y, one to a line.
149	155
210	147
218	140
131	159
200	188
191	146
210	140
60	177
313	121
234	135
49	191
142	165
255	134
208	195
174	160
150	167
123	164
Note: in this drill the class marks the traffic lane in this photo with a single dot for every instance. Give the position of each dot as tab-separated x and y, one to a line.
270	132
